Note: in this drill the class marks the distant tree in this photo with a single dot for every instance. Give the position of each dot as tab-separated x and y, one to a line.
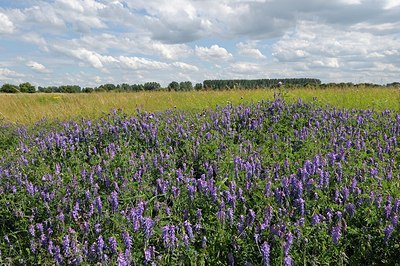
26	87
198	86
124	87
87	90
186	86
151	86
69	89
393	84
107	87
9	88
173	86
137	87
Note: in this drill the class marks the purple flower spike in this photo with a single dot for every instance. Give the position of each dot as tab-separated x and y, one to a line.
231	259
388	233
336	233
288	243
265	251
287	261
121	261
100	246
112	242
188	229
114	201
149	254
127	240
148	227
168	235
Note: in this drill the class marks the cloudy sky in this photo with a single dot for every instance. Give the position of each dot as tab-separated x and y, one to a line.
92	42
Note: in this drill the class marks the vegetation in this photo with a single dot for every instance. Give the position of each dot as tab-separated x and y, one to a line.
288	83
30	108
274	182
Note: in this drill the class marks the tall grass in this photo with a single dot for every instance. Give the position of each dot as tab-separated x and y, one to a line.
29	108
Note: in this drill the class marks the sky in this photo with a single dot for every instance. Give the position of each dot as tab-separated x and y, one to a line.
94	42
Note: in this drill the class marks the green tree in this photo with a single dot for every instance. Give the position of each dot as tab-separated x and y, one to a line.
9	88
151	86
173	86
87	90
26	87
186	86
198	86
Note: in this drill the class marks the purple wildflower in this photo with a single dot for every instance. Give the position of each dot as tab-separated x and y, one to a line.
168	235
265	251
288	243
148	227
65	244
75	212
388	233
98	204
121	261
100	246
113	199
149	254
230	216
336	233
350	208
287	261
112	243
97	228
57	255
188	229
231	259
127	240
31	229
395	220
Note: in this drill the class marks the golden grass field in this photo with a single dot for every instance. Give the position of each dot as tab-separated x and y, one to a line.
29	108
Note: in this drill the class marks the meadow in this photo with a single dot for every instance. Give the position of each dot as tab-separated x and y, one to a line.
29	108
201	178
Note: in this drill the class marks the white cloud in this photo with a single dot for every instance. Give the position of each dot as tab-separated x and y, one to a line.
389	4
248	49
141	63
6	26
7	74
213	53
185	66
37	67
253	69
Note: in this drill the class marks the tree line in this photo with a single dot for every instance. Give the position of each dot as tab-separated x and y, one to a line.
228	84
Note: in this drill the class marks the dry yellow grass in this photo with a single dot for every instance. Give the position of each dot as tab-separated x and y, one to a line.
28	108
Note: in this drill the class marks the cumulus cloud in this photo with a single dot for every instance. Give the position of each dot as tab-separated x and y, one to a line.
248	49
213	53
6	26
7	74
37	67
141	63
185	66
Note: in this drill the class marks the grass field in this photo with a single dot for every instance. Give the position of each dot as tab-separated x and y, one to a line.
29	108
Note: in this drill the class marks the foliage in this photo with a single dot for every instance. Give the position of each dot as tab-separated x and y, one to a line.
151	86
257	83
26	87
268	183
173	86
9	88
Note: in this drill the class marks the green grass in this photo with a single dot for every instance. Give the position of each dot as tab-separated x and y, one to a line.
29	108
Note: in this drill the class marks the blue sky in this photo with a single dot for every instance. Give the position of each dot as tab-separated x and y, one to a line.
89	43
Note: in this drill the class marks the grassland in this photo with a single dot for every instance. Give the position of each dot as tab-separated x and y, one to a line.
29	108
